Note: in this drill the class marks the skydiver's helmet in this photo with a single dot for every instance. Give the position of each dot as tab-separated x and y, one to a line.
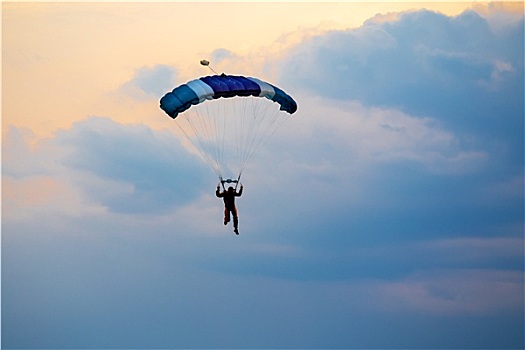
230	189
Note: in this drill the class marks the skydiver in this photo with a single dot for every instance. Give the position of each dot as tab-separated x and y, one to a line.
229	205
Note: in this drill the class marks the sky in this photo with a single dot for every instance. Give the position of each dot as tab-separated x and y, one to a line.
388	212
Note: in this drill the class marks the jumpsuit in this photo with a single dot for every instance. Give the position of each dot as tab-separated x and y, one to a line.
229	205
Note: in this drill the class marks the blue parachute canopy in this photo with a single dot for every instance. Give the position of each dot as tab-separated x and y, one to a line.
216	86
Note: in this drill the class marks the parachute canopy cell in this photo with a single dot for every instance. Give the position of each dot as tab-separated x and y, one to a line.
217	86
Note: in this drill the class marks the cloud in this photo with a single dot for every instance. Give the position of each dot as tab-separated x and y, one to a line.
407	123
151	82
133	277
364	136
125	168
457	292
220	55
140	170
455	69
21	158
501	16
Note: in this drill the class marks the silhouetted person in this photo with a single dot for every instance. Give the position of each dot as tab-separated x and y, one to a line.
229	205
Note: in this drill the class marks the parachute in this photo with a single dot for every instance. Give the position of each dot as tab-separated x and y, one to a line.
228	118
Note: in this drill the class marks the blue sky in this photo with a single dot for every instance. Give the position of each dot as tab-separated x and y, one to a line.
387	212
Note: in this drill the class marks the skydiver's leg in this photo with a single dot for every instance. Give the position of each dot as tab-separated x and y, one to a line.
226	216
235	221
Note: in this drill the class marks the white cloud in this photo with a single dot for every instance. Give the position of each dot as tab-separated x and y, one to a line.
354	135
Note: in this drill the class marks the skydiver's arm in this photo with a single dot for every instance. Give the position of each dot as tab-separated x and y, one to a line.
218	192
240	192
